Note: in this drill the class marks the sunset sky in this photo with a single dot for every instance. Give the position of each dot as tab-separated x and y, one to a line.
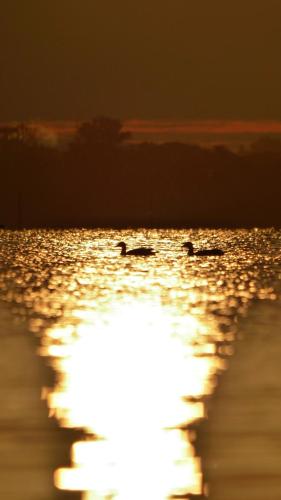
177	60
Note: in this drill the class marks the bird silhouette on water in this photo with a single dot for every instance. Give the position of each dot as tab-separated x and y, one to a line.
142	251
205	252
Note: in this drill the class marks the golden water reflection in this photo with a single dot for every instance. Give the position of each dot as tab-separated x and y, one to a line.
134	342
131	377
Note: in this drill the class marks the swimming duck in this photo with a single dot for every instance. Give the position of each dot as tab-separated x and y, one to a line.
213	251
136	251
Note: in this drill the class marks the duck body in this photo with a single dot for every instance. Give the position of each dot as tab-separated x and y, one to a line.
212	251
141	251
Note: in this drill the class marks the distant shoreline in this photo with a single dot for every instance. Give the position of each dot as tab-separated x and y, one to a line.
142	226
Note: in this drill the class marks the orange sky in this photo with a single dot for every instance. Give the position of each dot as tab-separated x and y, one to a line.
204	126
181	60
167	127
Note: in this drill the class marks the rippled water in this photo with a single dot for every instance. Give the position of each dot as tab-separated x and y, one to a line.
137	343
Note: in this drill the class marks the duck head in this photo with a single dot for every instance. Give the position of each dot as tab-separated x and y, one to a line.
189	246
121	244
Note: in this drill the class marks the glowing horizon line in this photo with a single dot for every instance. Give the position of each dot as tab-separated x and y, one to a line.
167	126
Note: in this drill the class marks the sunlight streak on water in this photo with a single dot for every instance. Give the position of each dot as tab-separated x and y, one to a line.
134	370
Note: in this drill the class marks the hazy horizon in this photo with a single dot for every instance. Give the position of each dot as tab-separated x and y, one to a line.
234	134
99	179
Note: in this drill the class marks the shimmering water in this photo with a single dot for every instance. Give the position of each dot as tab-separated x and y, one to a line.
137	343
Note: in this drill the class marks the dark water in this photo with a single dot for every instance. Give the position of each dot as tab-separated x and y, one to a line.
136	344
240	440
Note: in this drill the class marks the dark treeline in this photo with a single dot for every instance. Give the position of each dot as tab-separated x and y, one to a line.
102	179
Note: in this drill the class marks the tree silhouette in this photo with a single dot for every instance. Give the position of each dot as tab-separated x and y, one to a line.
17	136
266	144
101	132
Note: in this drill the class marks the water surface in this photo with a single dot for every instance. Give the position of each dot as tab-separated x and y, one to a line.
137	343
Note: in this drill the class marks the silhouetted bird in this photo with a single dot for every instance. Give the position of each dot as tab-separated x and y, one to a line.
136	251
213	251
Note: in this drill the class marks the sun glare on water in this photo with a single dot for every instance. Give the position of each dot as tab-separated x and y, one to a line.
135	366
